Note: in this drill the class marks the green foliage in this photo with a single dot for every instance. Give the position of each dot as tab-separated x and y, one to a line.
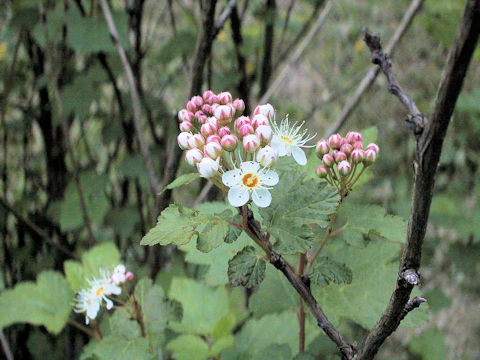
178	225
246	268
188	347
374	274
429	345
46	302
365	220
103	256
296	205
183	179
326	271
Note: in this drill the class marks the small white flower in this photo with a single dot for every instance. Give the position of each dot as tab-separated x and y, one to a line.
87	302
119	274
250	181
207	167
288	139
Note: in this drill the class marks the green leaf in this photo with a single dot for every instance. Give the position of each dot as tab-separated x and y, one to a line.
274	295
47	302
217	259
188	347
246	268
181	180
430	345
374	269
326	271
203	307
275	351
178	225
365	220
296	204
103	256
221	344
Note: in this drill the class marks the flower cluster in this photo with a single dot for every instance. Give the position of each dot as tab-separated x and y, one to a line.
89	300
344	159
237	150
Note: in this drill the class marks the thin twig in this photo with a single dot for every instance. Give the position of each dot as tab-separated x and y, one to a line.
428	149
268	43
220	22
203	194
5	346
373	72
137	112
297	54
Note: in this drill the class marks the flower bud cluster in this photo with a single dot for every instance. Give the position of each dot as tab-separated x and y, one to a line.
341	158
217	137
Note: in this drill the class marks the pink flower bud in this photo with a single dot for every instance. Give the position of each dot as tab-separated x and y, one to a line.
344	168
207	167
213	99
265	110
193	156
229	142
199	114
239	104
191	106
328	160
224	114
202	119
225	97
343	141
259	120
183	115
352	137
208	129
357	156
321	172
197	100
182	140
335	141
196	141
224	131
346	148
213	150
370	157
129	276
242	120
185	126
264	133
207	109
373	147
358	145
206	95
267	156
322	148
214	138
251	143
245	130
339	156
212	121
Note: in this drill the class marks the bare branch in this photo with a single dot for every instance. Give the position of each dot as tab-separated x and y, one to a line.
224	17
268	42
297	54
373	72
412	304
429	147
137	112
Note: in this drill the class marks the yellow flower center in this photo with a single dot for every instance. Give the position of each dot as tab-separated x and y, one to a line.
99	291
250	180
286	139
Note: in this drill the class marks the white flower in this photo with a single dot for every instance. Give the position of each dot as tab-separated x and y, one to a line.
250	181
266	156
207	167
104	287
289	139
87	302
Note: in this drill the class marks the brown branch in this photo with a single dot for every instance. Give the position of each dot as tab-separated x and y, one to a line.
253	229
297	54
220	22
411	305
268	42
373	72
137	112
428	150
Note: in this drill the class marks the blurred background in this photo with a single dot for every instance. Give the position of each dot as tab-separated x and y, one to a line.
71	167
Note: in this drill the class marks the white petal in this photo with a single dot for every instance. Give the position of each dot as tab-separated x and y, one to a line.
93	309
279	146
109	303
249	166
262	197
238	196
269	178
299	156
231	178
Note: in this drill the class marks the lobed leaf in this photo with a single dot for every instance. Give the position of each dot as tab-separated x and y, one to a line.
326	271
246	268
